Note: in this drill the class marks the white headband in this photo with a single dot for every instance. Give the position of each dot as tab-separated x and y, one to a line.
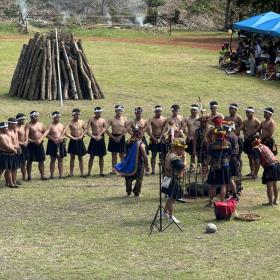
250	110
158	109
213	106
34	114
13	122
4	126
233	107
195	108
266	111
21	118
75	113
98	111
119	108
56	116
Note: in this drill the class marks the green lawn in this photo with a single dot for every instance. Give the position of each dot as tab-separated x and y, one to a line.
87	228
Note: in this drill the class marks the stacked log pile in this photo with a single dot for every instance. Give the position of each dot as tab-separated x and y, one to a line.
49	65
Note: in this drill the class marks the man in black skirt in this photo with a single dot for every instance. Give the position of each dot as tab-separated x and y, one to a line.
12	133
76	147
23	142
267	129
96	130
7	152
116	144
56	148
263	156
156	133
219	152
35	130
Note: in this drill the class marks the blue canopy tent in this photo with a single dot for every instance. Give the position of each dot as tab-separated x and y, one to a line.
268	27
253	22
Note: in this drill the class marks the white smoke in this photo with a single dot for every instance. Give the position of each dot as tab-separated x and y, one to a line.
139	19
23	8
109	19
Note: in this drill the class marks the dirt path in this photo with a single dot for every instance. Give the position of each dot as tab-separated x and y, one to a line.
201	42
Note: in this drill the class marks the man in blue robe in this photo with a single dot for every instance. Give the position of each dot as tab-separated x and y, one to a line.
133	165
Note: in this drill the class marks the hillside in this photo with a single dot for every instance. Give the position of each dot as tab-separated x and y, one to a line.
190	14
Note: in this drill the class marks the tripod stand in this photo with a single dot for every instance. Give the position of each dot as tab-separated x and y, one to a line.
157	221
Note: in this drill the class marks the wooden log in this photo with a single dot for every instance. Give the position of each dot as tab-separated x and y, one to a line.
35	78
54	75
49	71
22	75
17	70
29	76
73	63
65	79
69	71
82	71
96	88
43	72
37	91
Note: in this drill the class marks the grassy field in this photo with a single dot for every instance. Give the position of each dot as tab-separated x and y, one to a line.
87	228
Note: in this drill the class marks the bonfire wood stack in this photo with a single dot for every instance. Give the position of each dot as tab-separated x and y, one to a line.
36	75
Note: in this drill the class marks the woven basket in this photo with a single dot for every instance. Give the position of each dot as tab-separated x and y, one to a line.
247	217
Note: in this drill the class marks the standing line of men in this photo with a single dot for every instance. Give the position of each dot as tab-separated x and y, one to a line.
25	143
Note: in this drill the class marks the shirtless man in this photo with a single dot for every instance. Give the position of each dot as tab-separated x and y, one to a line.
249	127
97	147
175	123
23	142
157	124
267	129
35	130
140	124
7	152
190	125
237	120
116	144
213	105
56	149
76	131
12	133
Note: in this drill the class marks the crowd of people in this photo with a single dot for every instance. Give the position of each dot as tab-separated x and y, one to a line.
214	141
256	58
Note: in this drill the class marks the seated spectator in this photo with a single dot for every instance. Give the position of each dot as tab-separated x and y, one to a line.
226	62
261	69
223	51
277	70
270	72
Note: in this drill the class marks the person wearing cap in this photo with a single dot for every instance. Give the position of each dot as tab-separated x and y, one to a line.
76	131
267	129
12	133
156	133
271	173
249	127
7	152
35	130
139	123
174	167
116	143
200	144
190	125
23	142
237	120
134	164
96	129
56	148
